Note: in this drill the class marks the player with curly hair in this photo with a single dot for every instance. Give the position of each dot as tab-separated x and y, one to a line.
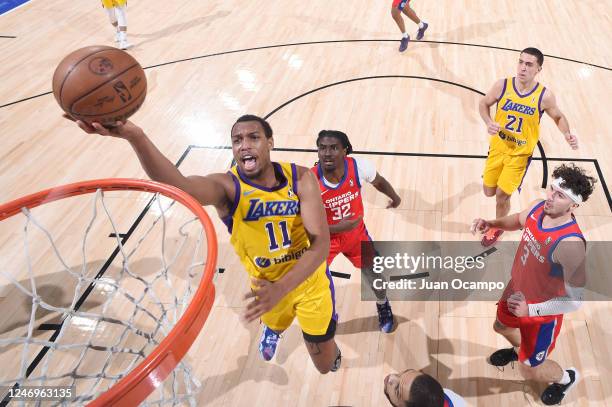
548	279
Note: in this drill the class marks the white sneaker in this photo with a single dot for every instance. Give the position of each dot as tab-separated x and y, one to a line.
124	44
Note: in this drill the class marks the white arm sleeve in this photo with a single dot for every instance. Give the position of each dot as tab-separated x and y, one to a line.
558	305
367	170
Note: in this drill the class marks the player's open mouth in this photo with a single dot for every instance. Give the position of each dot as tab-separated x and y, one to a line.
249	162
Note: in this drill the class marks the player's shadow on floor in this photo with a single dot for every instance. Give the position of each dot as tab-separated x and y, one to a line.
477	386
214	387
177	28
366	324
418	203
468	386
266	373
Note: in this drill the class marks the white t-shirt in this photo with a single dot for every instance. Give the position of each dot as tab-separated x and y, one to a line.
456	399
366	169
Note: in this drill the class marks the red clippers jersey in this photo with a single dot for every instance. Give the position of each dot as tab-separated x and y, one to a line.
343	201
534	273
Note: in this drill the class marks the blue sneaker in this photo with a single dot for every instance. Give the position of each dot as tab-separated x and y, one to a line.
385	317
268	343
421	32
404	44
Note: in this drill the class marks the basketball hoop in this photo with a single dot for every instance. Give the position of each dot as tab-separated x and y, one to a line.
178	323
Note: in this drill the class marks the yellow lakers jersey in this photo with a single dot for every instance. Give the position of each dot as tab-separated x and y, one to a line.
265	224
519	117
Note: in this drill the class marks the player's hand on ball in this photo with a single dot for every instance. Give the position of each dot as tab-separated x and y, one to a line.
265	295
518	305
126	130
572	141
480	225
493	128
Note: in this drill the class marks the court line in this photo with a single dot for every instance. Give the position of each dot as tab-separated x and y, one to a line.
441	155
340	275
327	42
371	40
409	276
543	155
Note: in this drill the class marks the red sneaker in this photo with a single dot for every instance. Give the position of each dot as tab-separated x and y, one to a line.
491	237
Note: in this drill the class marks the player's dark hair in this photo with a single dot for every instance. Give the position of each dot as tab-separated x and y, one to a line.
536	53
340	136
252	118
576	179
425	392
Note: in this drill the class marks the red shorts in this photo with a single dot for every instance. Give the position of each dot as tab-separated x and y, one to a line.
400	4
349	244
538	334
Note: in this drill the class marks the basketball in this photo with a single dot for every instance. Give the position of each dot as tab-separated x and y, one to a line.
99	84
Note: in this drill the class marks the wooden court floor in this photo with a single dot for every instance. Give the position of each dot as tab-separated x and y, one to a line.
333	65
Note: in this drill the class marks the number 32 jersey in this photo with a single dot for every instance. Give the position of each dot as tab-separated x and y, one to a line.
344	200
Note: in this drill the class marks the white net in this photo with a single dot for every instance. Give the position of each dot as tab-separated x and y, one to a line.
90	285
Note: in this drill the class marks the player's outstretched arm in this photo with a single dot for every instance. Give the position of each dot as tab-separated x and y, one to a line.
208	190
511	222
549	105
382	185
315	223
484	107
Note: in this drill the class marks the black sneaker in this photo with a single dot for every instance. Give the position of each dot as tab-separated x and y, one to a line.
555	392
337	362
421	31
404	44
385	317
502	357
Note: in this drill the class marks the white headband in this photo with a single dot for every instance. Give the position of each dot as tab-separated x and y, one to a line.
568	192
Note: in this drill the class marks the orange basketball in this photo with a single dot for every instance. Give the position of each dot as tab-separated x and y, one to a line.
99	84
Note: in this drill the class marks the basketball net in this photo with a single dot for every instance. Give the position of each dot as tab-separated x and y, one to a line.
102	295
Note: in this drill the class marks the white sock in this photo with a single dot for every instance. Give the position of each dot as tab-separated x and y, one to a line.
422	24
405	35
566	378
121	16
381	302
516	349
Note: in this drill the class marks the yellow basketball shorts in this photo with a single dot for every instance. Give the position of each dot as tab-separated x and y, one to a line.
505	171
113	3
312	302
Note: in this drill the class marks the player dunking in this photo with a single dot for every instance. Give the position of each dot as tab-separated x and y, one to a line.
274	214
521	101
548	278
341	179
403	6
